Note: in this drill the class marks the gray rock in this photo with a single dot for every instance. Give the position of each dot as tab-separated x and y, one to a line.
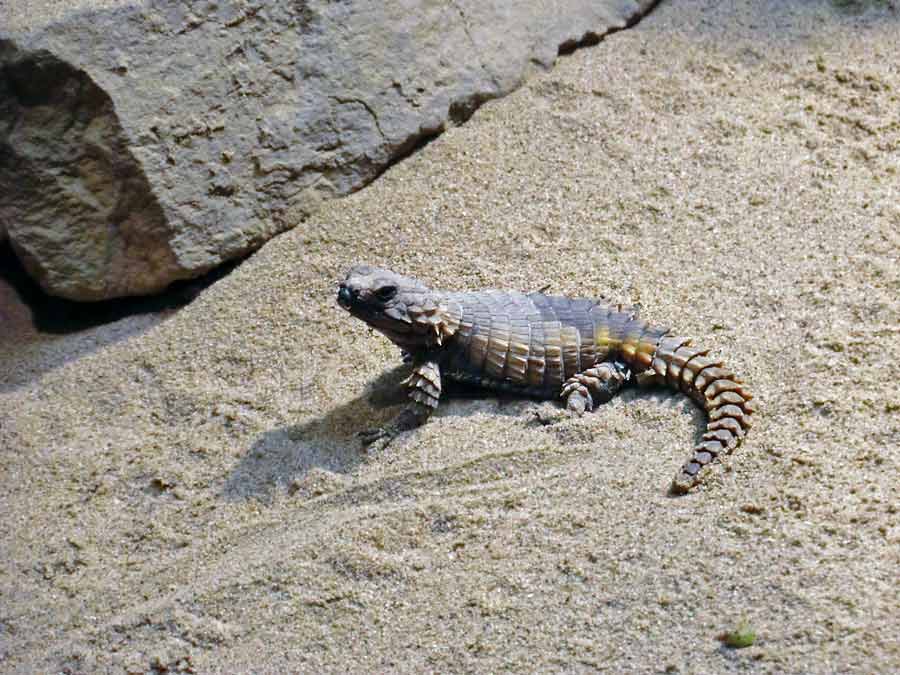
149	142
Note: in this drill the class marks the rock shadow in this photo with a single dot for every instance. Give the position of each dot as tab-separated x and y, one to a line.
63	330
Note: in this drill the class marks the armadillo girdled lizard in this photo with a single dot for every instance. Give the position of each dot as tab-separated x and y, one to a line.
541	346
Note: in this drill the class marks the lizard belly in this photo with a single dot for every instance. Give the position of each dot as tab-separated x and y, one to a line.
502	385
533	380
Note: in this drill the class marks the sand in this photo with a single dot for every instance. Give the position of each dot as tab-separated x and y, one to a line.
190	496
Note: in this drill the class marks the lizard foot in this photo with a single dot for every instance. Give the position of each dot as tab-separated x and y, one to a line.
681	484
375	440
369	436
578	398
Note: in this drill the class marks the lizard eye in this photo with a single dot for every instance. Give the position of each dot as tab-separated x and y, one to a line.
386	293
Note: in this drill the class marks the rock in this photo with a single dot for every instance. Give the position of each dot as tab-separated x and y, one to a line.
149	142
81	214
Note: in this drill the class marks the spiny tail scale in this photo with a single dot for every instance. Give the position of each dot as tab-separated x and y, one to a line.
683	367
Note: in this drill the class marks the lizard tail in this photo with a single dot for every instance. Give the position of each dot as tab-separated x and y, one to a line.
727	402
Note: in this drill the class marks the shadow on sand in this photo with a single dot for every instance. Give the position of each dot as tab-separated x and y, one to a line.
65	330
282	457
290	457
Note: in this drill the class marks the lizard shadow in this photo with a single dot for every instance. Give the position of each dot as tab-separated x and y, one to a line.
564	427
284	457
667	399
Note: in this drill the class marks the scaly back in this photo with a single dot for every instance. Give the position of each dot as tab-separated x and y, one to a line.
538	341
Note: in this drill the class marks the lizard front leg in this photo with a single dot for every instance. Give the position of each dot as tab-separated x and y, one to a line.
423	388
595	385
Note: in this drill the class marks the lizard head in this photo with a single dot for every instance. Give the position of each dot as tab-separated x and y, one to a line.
402	308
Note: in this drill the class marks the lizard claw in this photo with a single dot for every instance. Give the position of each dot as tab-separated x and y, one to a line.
369	436
579	402
376	440
547	418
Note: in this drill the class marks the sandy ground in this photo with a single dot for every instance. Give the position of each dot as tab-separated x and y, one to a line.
191	497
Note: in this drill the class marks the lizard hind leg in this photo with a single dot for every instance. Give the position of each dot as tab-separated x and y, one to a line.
598	384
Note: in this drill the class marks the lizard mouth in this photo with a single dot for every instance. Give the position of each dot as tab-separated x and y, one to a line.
349	300
395	329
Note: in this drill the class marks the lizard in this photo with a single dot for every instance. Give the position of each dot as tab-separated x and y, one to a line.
541	346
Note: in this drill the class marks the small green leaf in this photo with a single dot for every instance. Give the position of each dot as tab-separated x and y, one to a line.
740	637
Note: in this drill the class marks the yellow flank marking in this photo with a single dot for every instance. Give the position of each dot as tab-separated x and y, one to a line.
602	339
515	368
646	347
